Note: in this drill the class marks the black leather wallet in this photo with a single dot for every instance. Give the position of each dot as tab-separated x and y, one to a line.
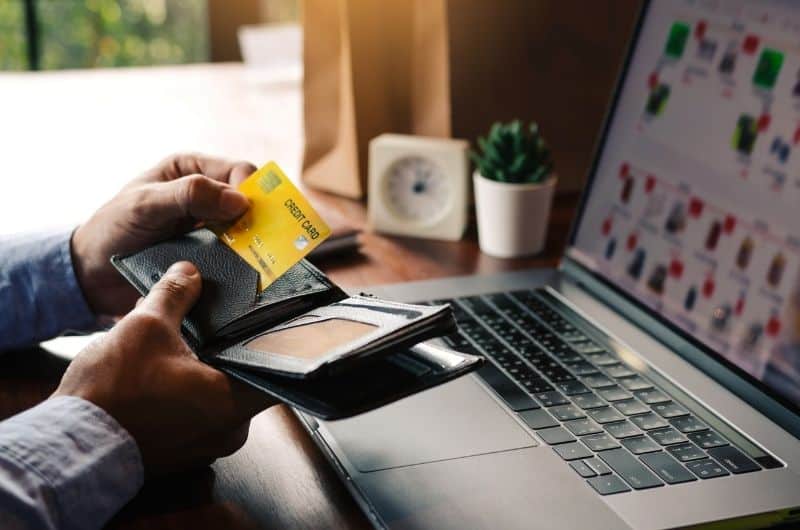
378	362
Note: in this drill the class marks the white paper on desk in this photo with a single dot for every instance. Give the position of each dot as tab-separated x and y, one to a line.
69	346
273	53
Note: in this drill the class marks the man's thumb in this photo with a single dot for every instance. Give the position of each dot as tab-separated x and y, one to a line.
197	197
175	293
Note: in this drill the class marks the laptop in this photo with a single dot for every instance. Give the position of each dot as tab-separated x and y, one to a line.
653	380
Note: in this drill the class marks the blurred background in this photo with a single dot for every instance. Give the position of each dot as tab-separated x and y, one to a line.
94	92
60	34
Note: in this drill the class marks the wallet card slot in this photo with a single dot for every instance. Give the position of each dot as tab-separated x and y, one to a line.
391	326
367	387
302	281
311	336
230	286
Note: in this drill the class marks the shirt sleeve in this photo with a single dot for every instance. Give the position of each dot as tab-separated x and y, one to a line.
39	293
65	464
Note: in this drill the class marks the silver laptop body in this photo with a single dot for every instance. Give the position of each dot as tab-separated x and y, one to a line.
678	391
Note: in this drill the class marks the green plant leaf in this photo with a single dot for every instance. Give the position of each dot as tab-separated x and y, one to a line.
519	163
512	152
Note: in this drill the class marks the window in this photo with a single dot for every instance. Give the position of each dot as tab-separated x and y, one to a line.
12	36
57	34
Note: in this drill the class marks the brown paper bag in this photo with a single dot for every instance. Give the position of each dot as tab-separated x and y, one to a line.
355	86
450	68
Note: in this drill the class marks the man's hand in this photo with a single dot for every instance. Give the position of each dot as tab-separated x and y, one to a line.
180	411
170	199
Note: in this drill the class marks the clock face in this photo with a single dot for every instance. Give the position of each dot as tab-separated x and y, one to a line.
416	189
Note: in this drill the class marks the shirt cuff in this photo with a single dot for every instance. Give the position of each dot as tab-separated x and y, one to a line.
65	307
81	463
38	280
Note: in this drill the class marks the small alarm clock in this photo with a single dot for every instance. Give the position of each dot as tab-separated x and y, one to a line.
418	186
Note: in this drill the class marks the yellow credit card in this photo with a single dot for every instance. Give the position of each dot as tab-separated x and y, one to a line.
280	227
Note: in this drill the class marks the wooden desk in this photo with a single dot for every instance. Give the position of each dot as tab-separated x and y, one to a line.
279	479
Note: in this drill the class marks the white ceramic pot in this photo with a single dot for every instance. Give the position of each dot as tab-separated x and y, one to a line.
512	218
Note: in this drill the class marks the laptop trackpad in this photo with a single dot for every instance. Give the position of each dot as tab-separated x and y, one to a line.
451	421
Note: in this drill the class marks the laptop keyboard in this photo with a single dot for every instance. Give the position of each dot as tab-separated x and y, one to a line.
611	424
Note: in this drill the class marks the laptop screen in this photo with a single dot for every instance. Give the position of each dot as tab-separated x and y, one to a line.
694	205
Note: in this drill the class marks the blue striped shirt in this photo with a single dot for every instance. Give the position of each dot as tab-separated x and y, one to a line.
64	463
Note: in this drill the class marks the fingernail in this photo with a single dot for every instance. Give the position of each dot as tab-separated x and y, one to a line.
232	203
183	268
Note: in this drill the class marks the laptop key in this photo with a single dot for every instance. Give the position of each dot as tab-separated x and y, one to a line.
460	315
573	336
538	419
622	429
505	360
519	371
619	370
603	359
630	469
733	459
457	341
588	401
668	436
529	350
667	468
496	351
540	361
599	442
597	381
608	485
707	439
583	427
636	382
582	368
567	355
582	469
536	385
706	468
552	398
567	412
605	415
506	389
556	435
640	445
558	375
501	301
597	466
477	305
614	394
686	452
689	423
670	410
652	395
649	421
587	347
573	387
572	451
631	407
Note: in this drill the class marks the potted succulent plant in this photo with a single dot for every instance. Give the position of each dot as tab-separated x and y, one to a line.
514	184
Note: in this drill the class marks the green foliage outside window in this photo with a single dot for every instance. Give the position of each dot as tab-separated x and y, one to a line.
12	36
100	33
